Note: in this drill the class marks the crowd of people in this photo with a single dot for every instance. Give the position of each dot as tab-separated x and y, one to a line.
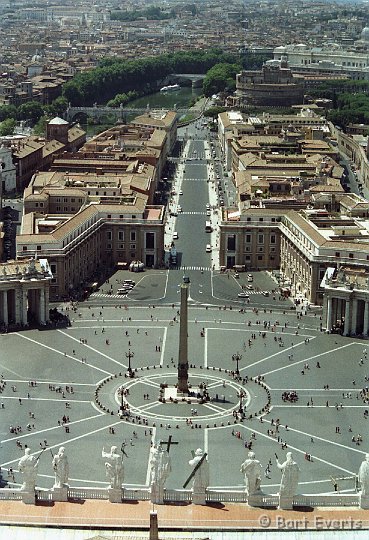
290	395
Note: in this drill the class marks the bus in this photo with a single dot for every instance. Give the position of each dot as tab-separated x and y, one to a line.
208	227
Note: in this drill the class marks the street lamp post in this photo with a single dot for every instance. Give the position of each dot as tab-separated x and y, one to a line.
122	398
236	358
241	395
130	355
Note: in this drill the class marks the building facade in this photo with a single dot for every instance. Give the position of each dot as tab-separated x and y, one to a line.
84	247
302	245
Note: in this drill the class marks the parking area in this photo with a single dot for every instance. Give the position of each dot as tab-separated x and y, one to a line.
136	286
250	288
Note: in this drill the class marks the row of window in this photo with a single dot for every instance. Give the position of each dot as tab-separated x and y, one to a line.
346	64
67	199
260	237
259	258
149	238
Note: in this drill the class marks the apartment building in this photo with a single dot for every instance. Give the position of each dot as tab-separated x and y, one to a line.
130	142
82	247
239	134
161	120
302	244
31	154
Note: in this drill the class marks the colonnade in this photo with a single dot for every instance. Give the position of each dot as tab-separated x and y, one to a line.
349	313
22	303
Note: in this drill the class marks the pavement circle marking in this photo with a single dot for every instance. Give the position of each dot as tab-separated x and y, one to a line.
256	397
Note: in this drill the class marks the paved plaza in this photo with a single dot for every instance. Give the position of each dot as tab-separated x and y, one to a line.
63	388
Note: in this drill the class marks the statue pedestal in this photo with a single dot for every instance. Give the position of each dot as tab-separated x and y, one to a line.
364	501
157	495
29	497
285	503
256	499
60	494
199	497
154	530
115	495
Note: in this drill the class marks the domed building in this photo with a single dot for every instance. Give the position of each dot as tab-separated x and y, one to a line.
364	36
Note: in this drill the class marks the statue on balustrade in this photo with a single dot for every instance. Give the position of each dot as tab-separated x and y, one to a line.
200	476
114	467
61	468
251	468
28	466
290	476
160	469
363	476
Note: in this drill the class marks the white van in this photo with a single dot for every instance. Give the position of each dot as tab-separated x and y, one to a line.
208	248
175	235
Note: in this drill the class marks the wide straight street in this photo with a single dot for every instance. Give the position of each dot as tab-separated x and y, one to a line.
275	381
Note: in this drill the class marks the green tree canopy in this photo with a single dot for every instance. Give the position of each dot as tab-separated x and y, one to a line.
57	107
213	112
154	13
120	76
221	77
32	110
40	126
7	127
8	111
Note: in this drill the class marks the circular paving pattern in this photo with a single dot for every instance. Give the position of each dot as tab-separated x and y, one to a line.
150	397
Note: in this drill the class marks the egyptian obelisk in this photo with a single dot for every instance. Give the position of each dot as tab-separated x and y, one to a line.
182	385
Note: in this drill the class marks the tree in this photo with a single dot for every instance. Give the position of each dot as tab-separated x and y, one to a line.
221	77
32	111
213	112
40	126
57	107
7	127
8	111
119	76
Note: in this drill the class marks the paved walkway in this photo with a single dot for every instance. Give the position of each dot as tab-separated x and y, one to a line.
135	515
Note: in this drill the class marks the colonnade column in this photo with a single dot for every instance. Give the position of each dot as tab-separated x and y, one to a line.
329	314
42	307
347	328
24	306
354	317
366	318
47	295
5	307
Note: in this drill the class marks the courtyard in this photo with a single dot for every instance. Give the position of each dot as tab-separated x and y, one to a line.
298	390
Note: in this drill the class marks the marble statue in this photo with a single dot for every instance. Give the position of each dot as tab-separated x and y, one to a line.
290	476
114	467
363	476
160	469
61	468
28	466
201	477
251	468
